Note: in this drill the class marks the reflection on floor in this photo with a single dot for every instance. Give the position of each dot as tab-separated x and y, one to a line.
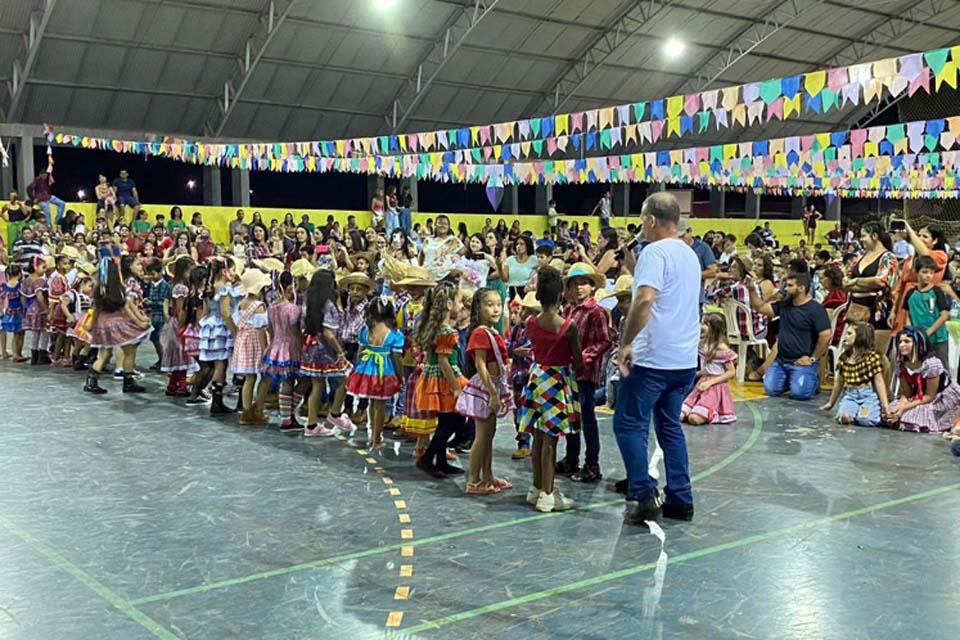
134	517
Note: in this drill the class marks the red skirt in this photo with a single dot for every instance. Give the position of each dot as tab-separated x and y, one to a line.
363	385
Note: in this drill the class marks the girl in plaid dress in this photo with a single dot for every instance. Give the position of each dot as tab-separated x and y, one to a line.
281	361
551	407
249	344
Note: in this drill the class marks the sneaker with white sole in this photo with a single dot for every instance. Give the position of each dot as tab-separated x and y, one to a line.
341	422
532	496
562	502
319	431
545	502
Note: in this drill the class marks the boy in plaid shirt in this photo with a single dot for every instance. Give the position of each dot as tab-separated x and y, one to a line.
158	297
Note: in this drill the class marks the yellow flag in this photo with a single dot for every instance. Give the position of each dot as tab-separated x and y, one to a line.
563	124
948	74
870	149
815	82
673	126
729	151
791	106
674	106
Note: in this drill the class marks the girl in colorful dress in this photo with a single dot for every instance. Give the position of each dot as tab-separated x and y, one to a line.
929	400
859	377
439	385
358	287
57	319
550	406
322	357
117	321
217	329
79	307
376	374
411	297
711	402
12	319
487	396
34	293
176	363
190	333
250	318
281	360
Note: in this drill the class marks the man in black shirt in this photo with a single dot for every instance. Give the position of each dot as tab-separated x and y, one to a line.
804	339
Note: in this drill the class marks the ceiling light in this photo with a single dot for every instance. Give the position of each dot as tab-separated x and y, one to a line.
674	47
191	184
383	5
81	194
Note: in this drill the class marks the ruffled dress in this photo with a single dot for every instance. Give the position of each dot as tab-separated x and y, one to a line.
550	401
115	329
247	352
375	376
216	341
82	308
715	404
433	391
318	358
416	421
939	415
12	319
58	286
281	360
35	316
175	357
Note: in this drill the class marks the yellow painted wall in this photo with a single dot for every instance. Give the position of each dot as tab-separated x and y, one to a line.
217	219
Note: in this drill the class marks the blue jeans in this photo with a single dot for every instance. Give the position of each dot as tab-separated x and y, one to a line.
406	220
802	382
862	404
392	221
588	426
656	393
61	208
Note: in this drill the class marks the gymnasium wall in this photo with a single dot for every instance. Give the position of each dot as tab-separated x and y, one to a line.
217	219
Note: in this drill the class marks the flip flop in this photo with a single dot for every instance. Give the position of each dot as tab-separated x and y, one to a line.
503	484
480	490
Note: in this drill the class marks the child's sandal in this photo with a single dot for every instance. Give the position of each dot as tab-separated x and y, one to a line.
480	489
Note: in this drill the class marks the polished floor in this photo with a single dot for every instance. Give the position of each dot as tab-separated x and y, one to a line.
133	517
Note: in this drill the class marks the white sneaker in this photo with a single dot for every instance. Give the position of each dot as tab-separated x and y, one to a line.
532	495
545	502
562	502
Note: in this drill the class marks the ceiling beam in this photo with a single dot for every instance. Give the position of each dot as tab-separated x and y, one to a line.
570	80
457	29
23	68
743	43
267	24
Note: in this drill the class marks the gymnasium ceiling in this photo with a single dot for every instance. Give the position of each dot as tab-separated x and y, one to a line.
326	69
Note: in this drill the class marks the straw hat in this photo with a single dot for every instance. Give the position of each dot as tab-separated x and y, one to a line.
559	265
168	268
584	270
253	281
269	264
50	262
87	267
69	251
622	287
417	277
357	278
302	269
529	301
238	266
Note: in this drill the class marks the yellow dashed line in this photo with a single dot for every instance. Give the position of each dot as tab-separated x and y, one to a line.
394	491
404	518
387	480
406	534
395	618
406	570
402	593
372	460
406	552
400	504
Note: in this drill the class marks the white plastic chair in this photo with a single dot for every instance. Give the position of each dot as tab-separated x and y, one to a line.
730	308
834	351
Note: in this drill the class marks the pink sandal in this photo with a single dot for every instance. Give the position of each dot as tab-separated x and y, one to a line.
477	489
503	484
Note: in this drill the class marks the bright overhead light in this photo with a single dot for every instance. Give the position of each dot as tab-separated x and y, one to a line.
384	4
674	47
191	184
81	194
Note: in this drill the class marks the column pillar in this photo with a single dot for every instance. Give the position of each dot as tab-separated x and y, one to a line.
658	186
752	205
373	183
511	199
25	169
542	195
833	209
6	180
718	203
621	200
240	187
412	183
211	186
796	207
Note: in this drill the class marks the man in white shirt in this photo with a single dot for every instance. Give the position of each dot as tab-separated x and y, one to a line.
658	362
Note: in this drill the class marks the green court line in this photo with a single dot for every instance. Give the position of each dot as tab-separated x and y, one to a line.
333	560
90	582
693	555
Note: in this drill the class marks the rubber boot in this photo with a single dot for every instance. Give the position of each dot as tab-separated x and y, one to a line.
93	383
44	358
217	407
130	384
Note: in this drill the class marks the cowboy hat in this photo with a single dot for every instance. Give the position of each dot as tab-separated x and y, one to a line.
558	264
357	278
585	270
253	281
529	301
302	269
269	264
238	266
417	277
87	267
168	268
70	252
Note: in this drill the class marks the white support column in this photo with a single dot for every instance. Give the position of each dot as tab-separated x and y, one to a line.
752	205
718	203
6	180
240	187
25	167
511	199
211	186
834	209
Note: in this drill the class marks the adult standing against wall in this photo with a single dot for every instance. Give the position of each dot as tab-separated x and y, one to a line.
604	208
238	227
41	192
658	362
406	210
127	194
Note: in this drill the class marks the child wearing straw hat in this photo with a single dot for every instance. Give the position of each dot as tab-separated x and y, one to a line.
250	341
175	362
596	339
358	287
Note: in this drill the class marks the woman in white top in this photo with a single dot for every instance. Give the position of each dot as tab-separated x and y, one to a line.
517	270
442	251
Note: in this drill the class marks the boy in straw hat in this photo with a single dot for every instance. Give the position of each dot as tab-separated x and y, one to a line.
520	353
358	286
596	339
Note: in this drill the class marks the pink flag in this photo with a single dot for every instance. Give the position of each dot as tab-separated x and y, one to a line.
922	81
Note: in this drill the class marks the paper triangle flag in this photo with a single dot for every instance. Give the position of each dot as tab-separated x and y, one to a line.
814	82
937	59
740	114
606	118
791	106
922	81
731	97
674	106
775	110
673	126
947	74
710	99
691	104
623	114
721	116
837	78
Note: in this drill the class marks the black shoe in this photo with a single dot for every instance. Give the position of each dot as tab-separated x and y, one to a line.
217	407
647	509
429	469
195	401
676	511
93	384
130	384
34	356
589	473
44	358
293	427
566	467
155	367
449	469
621	486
